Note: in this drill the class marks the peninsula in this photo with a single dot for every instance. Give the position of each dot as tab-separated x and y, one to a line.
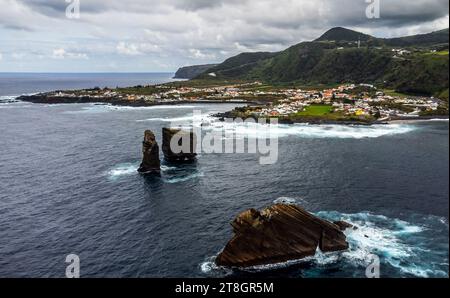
344	77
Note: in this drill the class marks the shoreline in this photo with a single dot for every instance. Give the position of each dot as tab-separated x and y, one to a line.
418	119
43	98
396	120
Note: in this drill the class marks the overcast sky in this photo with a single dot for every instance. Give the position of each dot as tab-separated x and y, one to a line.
162	35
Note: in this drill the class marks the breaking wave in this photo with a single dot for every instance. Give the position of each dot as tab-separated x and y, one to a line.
170	175
183	178
312	131
123	170
8	98
290	201
404	248
400	244
9	102
439	120
104	108
184	120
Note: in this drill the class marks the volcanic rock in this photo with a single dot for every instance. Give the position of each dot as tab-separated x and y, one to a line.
185	143
343	225
150	163
279	234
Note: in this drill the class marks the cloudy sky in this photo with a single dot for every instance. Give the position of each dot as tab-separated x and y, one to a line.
162	35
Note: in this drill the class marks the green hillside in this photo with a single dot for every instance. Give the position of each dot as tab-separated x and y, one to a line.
336	58
434	38
237	66
343	34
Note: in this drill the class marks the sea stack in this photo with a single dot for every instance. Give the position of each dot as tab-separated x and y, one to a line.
150	163
279	234
185	143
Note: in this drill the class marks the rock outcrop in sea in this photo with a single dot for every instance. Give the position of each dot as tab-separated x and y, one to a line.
279	234
185	141
150	163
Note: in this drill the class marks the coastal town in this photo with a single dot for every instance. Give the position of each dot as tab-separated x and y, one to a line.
346	102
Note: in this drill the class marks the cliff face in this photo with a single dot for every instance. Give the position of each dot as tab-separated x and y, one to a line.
150	163
278	234
191	72
186	141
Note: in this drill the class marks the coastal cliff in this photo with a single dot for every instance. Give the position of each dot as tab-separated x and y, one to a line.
279	234
150	149
186	140
191	72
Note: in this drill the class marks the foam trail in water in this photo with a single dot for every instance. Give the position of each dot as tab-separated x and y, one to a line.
177	179
439	120
123	170
290	201
173	175
391	240
399	244
186	121
104	108
313	131
7	102
7	98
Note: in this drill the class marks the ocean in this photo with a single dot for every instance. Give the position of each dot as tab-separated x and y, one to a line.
68	185
13	84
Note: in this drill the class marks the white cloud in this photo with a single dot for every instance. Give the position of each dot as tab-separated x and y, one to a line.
157	33
134	49
128	49
1	57
198	54
18	56
61	53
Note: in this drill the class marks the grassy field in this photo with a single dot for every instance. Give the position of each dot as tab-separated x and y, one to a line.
440	53
318	113
316	110
394	93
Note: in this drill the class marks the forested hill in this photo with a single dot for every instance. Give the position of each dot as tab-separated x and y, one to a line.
413	64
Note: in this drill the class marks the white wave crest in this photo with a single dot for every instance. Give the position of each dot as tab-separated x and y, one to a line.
386	238
374	235
105	108
123	170
7	98
290	201
180	179
312	131
173	175
439	120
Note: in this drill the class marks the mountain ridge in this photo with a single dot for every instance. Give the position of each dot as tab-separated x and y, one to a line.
408	64
190	72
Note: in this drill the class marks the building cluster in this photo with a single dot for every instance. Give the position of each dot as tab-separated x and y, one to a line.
347	103
345	99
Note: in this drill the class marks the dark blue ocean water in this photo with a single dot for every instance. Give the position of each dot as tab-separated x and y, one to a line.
68	184
26	83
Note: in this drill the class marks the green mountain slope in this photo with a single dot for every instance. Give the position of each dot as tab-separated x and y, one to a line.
336	58
239	65
190	72
438	37
343	34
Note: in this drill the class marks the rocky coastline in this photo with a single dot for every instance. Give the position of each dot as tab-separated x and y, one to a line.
114	101
230	115
279	234
186	140
46	98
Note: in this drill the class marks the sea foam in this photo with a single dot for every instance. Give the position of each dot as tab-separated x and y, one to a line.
170	174
313	131
105	108
375	235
